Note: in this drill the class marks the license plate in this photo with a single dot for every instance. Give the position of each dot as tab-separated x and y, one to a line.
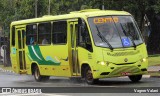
125	73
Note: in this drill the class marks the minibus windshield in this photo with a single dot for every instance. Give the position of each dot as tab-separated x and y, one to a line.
118	31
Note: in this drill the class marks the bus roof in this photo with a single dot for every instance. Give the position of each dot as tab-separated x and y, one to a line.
75	14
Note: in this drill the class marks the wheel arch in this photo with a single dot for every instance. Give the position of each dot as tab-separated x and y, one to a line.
83	66
33	66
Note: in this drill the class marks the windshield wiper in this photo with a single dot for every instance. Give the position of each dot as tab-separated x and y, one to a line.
103	38
125	33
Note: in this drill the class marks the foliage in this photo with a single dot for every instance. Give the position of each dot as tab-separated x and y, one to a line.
11	10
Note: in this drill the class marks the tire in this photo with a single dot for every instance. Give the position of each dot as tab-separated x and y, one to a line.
135	78
89	76
38	77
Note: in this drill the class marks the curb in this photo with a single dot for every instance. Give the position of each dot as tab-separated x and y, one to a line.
153	71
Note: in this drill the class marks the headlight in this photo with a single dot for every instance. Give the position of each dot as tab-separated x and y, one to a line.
103	63
143	60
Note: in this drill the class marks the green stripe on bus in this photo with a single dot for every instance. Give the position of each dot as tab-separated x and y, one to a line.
36	55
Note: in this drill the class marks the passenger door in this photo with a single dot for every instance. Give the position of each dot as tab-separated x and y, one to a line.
20	49
73	53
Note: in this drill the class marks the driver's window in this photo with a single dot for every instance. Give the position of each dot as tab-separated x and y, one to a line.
84	39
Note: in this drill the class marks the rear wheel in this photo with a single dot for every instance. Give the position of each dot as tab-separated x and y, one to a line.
135	78
39	77
89	76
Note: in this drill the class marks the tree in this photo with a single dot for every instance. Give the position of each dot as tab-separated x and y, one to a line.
153	14
11	10
6	14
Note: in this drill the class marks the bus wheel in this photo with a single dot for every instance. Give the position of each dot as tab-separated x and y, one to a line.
135	78
37	75
89	76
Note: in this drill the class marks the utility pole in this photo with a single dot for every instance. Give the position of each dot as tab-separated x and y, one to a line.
36	1
49	7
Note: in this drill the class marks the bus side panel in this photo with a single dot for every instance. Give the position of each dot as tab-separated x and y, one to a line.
60	54
85	57
15	65
14	52
28	61
50	53
50	70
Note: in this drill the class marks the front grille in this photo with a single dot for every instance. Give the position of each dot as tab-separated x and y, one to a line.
123	53
119	70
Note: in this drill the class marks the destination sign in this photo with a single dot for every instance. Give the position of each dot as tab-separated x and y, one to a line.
105	20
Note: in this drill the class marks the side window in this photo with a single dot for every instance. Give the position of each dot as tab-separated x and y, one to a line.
44	33
59	33
13	36
31	34
84	39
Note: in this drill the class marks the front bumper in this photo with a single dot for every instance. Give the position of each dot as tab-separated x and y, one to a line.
115	70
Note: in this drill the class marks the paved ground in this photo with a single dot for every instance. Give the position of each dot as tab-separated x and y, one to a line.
154	68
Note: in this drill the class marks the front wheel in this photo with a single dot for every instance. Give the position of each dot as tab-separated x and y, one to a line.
39	77
135	78
89	76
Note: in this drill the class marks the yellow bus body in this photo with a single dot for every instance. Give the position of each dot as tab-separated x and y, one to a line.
102	61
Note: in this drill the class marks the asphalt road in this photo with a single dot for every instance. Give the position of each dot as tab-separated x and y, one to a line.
8	79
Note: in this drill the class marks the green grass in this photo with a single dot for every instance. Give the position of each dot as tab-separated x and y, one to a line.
156	55
154	60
